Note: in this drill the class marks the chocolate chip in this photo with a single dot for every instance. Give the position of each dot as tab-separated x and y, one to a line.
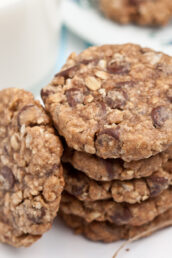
77	190
159	115
157	185
116	99
74	96
116	68
7	179
6	150
46	93
135	2
107	142
113	168
114	133
68	73
21	112
88	61
36	215
121	216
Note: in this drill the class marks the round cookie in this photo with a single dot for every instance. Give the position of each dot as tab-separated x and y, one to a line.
114	169
31	175
114	101
143	12
107	232
118	213
133	191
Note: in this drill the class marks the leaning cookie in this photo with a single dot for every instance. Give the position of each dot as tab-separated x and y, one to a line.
114	169
108	232
114	101
31	178
143	12
133	191
118	213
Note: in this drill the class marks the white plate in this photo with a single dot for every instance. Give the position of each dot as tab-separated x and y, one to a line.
60	242
89	24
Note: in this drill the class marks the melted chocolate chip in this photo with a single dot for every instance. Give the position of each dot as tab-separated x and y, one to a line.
46	93
114	133
135	2
88	61
121	216
74	96
159	115
20	112
116	99
112	168
157	185
7	179
116	68
77	190
68	73
6	150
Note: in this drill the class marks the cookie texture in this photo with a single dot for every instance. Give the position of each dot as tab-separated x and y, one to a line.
143	12
114	101
133	191
110	169
108	232
31	176
118	213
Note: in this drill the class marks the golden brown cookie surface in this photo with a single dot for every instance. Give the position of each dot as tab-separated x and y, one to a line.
31	178
114	101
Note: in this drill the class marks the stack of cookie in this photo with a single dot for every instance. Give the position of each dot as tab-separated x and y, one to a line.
113	106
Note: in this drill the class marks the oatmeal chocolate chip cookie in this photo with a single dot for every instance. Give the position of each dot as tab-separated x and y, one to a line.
31	178
134	191
108	232
143	12
114	101
110	169
118	213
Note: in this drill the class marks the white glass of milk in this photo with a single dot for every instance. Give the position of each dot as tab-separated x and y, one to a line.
29	31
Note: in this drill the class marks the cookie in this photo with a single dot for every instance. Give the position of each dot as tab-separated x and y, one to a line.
114	101
133	191
118	213
168	166
108	232
31	175
110	169
143	12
